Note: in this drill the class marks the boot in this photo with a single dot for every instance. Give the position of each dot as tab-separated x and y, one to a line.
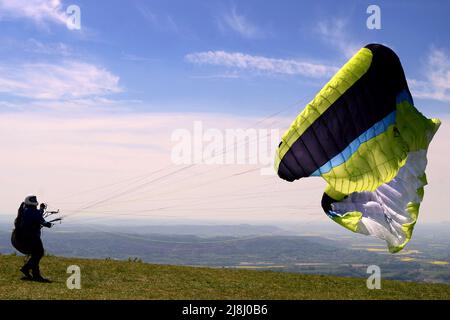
26	271
38	277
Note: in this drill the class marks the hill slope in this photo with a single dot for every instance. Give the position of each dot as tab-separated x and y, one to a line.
106	279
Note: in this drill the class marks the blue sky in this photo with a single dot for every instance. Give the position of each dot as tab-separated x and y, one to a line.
149	53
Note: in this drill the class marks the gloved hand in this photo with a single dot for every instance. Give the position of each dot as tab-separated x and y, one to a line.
48	224
43	206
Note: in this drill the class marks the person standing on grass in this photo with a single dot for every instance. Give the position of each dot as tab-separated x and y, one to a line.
26	236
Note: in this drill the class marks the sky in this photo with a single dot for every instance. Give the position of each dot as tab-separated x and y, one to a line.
85	107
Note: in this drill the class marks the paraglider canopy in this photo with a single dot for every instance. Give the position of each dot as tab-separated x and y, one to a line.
363	135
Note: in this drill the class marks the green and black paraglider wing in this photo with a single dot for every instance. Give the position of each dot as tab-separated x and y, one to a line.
363	135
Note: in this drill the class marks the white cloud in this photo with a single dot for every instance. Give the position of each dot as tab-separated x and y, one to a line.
334	32
232	74
13	45
147	14
436	85
164	22
57	48
137	58
40	11
239	24
67	80
237	60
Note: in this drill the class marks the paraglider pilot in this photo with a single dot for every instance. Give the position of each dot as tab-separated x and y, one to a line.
26	237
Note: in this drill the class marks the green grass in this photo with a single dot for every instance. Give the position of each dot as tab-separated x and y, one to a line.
106	279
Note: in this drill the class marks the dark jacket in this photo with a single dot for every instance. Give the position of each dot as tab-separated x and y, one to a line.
32	220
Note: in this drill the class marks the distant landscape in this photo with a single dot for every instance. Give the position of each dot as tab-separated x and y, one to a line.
307	249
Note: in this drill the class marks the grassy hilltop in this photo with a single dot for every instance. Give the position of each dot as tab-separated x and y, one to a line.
107	279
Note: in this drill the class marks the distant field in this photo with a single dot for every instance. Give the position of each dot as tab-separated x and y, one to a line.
107	279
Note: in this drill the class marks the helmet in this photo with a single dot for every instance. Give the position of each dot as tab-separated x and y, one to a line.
31	201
